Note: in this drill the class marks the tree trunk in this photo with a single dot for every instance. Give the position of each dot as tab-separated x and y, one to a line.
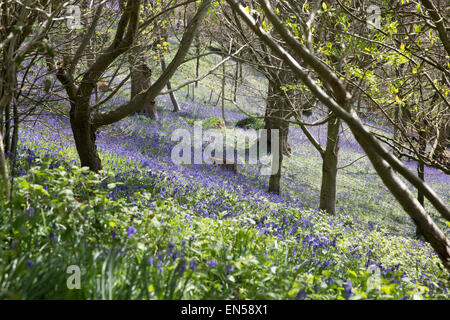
83	121
84	136
223	92
197	66
275	112
421	174
420	196
442	141
7	135
236	79
329	168
141	79
275	179
15	140
8	87
197	52
164	36
421	171
8	92
4	176
398	138
173	98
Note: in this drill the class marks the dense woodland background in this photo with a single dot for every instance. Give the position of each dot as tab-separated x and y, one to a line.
358	209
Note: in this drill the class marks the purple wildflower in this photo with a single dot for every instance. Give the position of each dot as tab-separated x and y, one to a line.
229	269
301	295
52	234
182	267
348	289
131	231
212	263
192	264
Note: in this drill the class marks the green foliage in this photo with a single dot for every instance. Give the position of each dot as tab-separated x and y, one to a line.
251	123
65	216
209	123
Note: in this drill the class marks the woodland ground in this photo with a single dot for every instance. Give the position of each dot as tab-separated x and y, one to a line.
146	228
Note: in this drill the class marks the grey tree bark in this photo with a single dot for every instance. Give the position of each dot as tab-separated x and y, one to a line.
276	111
173	98
141	80
223	93
329	168
273	120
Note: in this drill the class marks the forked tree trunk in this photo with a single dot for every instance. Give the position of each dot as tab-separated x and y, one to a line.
83	121
329	168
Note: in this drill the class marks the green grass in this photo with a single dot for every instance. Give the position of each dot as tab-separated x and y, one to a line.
251	123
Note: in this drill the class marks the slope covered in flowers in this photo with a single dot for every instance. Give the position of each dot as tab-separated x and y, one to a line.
146	228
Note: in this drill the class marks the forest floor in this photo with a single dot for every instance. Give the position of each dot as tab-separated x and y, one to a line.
151	229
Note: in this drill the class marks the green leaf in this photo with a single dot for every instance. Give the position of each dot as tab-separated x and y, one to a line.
47	85
264	25
24	184
40	189
351	272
